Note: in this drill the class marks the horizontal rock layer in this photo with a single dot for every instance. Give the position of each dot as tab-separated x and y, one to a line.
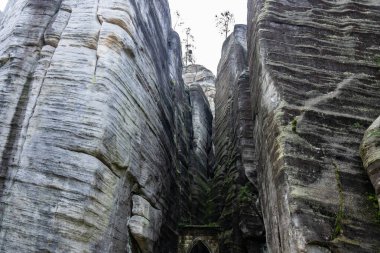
235	196
315	88
94	123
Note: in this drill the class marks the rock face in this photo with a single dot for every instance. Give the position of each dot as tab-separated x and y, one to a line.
370	153
197	74
94	127
315	88
202	153
235	187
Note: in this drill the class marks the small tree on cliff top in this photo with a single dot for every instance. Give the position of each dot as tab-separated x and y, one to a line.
178	21
224	21
188	44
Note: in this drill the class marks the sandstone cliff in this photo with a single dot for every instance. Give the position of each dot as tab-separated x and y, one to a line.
315	88
200	82
197	74
202	154
235	196
370	153
94	126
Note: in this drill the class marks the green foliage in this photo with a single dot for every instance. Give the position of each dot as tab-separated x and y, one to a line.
338	230
377	60
294	125
357	125
374	133
244	194
372	198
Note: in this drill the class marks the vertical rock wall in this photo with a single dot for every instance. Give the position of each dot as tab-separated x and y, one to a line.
234	187
198	74
315	88
199	80
94	126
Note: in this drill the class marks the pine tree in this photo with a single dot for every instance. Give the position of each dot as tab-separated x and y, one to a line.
224	21
188	44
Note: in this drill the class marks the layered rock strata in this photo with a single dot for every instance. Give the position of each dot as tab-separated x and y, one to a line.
198	74
202	155
198	79
235	188
370	154
94	127
315	88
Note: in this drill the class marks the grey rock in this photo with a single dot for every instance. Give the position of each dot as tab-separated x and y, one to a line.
235	187
370	154
197	74
93	111
201	156
200	83
145	223
317	249
315	90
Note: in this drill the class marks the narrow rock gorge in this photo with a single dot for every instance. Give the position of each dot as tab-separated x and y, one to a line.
109	144
200	82
235	189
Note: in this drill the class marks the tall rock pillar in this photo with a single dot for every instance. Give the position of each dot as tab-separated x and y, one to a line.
315	89
93	119
235	190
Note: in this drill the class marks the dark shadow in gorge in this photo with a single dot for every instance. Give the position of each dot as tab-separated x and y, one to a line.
200	248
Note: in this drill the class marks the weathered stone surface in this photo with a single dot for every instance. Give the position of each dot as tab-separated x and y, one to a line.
197	74
370	153
191	236
315	88
145	223
93	111
200	83
235	196
202	155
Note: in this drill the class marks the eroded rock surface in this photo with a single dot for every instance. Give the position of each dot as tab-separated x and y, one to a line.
315	88
197	74
200	83
235	196
370	153
202	155
94	124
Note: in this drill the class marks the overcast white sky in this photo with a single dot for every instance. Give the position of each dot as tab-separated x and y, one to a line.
2	4
199	15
